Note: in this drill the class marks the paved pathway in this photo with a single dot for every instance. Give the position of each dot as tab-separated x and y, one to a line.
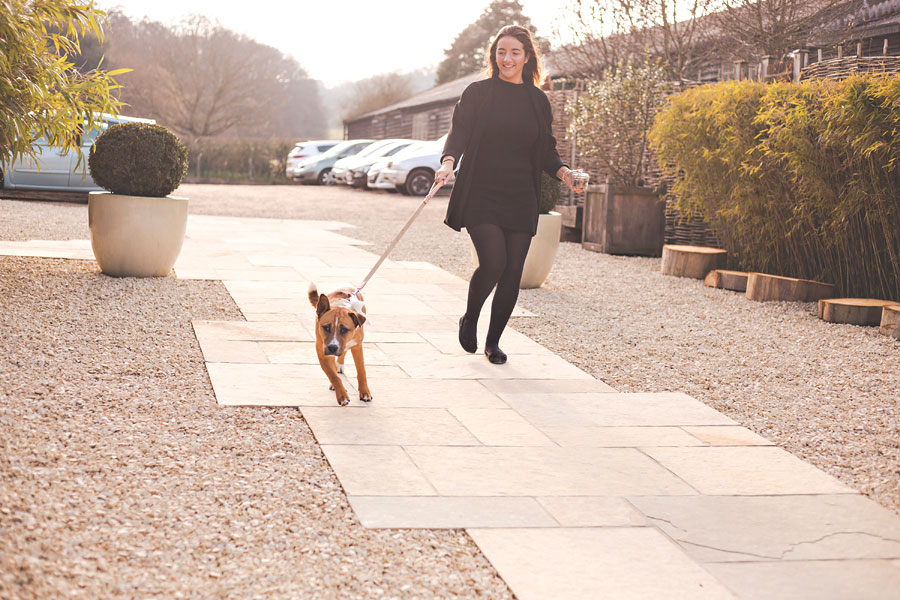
571	489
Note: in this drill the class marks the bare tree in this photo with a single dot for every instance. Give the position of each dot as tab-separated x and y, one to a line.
377	92
751	29
610	33
203	80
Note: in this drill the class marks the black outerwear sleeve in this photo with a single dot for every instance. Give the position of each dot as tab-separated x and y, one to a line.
551	159
461	125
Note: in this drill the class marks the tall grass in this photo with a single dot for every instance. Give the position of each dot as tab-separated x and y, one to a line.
801	180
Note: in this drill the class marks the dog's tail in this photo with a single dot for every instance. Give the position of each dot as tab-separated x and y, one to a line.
313	294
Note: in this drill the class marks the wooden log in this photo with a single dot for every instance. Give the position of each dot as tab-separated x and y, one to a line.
854	311
691	261
766	288
735	281
890	321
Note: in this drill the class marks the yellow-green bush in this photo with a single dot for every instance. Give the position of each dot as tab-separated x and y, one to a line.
801	180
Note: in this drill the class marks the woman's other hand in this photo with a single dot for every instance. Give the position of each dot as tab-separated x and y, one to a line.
445	172
565	173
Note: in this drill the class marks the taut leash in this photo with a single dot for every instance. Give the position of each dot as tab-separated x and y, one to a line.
434	188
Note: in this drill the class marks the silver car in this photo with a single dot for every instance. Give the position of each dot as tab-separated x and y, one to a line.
54	169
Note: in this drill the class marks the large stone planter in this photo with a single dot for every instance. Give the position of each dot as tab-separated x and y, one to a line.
541	253
136	236
623	220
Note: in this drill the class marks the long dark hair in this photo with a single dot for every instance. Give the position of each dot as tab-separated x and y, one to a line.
532	72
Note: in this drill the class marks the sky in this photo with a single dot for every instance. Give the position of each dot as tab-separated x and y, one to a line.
344	40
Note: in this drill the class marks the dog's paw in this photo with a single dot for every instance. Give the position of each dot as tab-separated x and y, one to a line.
343	401
340	368
330	388
365	397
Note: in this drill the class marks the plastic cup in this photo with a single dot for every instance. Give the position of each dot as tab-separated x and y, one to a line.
580	180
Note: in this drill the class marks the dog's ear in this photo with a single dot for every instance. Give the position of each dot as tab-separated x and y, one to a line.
357	318
322	306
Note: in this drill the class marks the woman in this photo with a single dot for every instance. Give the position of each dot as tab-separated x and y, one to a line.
501	130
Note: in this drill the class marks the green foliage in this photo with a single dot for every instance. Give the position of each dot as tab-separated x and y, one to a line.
612	117
801	180
43	94
260	160
138	159
466	55
551	188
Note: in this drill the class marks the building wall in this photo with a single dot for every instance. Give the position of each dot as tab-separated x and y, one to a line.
418	123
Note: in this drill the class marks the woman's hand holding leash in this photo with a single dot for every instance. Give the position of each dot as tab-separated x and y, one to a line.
445	172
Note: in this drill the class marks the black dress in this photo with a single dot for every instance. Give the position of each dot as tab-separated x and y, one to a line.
502	191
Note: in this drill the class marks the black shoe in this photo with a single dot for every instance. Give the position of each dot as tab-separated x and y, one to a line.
468	337
495	354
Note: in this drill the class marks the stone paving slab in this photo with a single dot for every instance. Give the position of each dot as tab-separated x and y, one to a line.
540	471
741	529
450	512
623	563
741	470
812	580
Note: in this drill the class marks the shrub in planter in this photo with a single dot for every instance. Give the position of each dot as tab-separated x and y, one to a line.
137	230
138	159
550	193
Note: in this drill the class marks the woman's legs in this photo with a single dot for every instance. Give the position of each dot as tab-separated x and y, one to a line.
507	292
501	256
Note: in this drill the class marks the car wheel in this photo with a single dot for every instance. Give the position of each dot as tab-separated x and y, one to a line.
402	190
325	178
419	182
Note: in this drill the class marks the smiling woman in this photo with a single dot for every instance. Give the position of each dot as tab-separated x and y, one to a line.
502	139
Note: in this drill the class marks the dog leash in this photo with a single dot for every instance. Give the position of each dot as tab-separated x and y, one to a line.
434	188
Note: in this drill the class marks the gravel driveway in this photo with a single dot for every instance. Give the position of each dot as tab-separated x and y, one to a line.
120	476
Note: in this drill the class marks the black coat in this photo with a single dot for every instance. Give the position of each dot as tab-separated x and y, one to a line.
464	140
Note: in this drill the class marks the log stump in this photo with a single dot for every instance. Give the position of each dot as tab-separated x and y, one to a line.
735	281
853	311
890	321
766	288
691	261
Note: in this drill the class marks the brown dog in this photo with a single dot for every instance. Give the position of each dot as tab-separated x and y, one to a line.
339	327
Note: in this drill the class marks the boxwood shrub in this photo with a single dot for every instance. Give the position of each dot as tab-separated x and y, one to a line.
138	159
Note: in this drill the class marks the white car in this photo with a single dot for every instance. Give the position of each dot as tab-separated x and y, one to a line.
413	174
341	169
53	169
358	166
375	177
303	150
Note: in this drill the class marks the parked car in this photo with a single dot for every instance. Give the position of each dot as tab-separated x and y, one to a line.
357	166
317	170
303	150
54	169
339	170
375	177
414	175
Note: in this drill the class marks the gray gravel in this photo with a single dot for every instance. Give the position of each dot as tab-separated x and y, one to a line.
120	476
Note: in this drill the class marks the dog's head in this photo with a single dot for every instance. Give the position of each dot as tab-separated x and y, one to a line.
336	326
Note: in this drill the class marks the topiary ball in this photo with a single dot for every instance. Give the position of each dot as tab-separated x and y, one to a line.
138	159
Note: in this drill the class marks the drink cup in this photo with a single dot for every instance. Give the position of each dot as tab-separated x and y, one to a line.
580	180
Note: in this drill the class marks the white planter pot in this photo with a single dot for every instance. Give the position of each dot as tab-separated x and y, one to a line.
136	236
541	253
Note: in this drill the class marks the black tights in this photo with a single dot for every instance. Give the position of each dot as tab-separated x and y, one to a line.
501	256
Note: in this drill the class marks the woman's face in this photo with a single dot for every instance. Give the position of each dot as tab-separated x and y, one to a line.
511	58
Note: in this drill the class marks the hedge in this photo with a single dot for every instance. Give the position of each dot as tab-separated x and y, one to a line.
800	180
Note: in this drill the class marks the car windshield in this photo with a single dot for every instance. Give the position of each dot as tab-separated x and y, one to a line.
373	148
338	149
